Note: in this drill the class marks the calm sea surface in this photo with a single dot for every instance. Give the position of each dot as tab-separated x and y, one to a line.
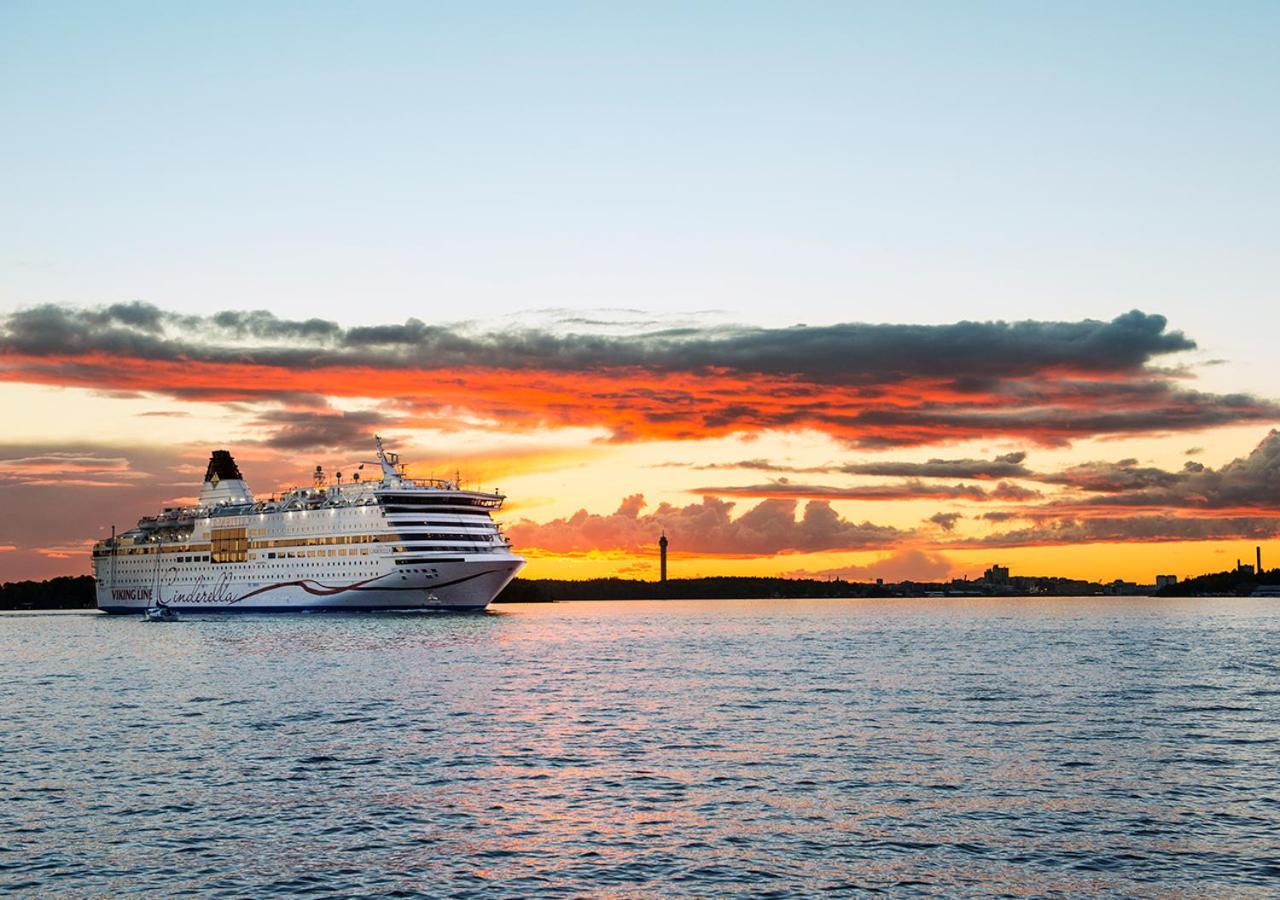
940	746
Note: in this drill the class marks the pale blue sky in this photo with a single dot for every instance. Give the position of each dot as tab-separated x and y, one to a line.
782	162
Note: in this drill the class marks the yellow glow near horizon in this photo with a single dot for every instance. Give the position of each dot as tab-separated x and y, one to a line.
1102	563
552	473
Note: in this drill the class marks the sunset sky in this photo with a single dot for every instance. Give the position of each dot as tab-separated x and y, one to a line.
891	290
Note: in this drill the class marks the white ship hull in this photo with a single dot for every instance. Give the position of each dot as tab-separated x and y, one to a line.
466	585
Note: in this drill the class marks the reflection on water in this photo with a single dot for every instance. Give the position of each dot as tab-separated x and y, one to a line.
681	747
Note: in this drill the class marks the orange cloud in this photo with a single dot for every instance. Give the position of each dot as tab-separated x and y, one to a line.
905	565
706	529
639	404
868	385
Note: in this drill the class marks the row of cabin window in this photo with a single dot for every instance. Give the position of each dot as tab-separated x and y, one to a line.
317	525
236	550
138	551
364	551
445	536
323	541
408	508
306	554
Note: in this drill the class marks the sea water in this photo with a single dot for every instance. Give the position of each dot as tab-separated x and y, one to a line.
929	746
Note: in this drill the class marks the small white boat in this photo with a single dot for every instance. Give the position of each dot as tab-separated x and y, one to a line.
160	614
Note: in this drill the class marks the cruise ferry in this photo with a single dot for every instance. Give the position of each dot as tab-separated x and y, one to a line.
396	543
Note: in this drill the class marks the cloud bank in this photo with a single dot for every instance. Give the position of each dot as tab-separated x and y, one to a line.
1115	503
866	385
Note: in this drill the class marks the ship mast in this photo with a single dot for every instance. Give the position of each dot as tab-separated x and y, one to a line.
388	460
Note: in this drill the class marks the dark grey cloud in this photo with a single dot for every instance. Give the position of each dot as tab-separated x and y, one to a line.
293	400
1001	515
946	520
1247	484
761	465
911	489
907	490
411	333
758	465
1111	477
264	325
313	430
1128	529
1008	466
852	353
1180	410
1009	492
137	314
860	353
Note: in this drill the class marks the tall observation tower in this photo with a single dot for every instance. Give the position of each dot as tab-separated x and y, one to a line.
662	555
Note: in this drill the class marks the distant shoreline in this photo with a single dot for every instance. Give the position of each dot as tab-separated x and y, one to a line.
77	592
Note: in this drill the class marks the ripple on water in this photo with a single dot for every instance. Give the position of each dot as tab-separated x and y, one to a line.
780	748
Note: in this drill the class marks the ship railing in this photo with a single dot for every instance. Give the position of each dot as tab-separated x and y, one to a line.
440	484
493	498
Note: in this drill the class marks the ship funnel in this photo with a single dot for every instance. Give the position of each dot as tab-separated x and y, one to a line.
223	482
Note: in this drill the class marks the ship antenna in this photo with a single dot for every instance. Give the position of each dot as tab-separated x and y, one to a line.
389	472
113	560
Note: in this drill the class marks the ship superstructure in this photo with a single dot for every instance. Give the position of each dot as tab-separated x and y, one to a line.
391	543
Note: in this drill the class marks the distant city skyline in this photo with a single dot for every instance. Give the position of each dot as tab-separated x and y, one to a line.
825	289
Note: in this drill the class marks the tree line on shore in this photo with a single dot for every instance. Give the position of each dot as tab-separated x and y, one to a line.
77	592
64	592
1232	583
546	590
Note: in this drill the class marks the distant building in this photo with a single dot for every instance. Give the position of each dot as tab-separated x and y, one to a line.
996	575
1165	580
662	555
